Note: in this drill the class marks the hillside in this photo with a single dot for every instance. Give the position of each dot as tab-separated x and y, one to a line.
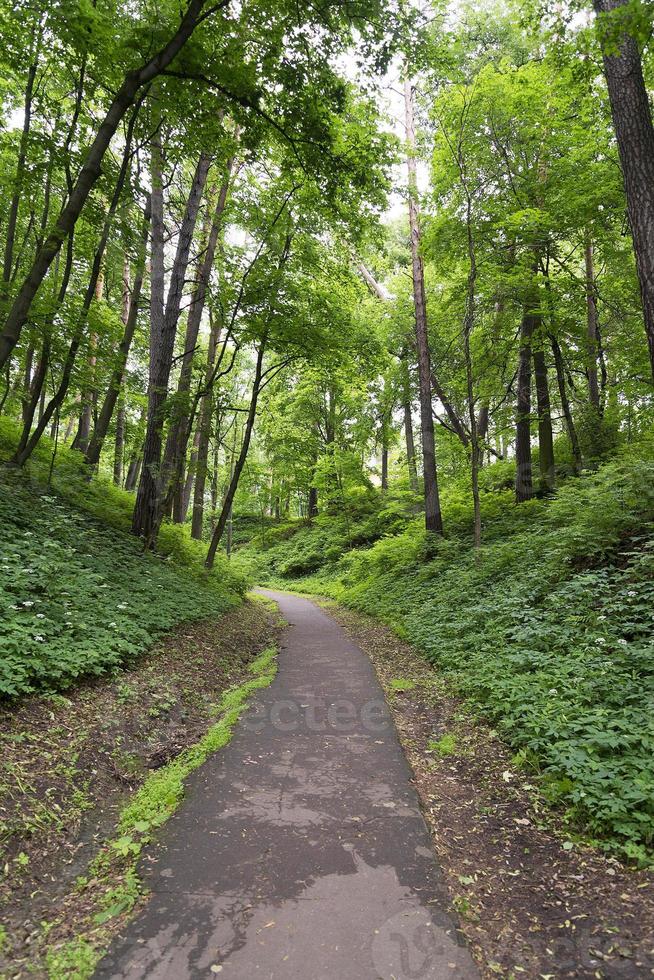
546	631
78	595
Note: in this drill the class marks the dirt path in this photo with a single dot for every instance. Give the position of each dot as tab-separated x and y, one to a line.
300	852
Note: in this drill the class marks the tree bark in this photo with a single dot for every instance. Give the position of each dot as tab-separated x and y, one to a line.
91	170
90	394
433	517
133	471
14	205
119	444
130	314
204	428
592	326
179	432
24	451
240	462
577	461
632	120
545	438
524	489
312	506
151	495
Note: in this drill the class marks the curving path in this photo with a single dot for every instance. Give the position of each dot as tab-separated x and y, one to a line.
300	852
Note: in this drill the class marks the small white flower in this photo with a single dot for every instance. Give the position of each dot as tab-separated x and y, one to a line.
28	534
39	638
601	617
26	605
122	605
552	690
631	593
600	640
112	624
623	643
40	616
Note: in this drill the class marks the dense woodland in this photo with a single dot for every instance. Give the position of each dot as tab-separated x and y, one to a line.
356	297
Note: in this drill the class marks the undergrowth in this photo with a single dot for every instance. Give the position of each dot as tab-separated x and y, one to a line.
77	594
547	631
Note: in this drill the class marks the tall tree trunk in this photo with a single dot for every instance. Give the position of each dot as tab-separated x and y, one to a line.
89	395
119	444
204	429
23	452
130	312
187	489
384	462
133	471
577	461
433	517
524	489
125	97
592	326
632	120
151	494
545	438
410	447
179	431
312	506
14	204
226	510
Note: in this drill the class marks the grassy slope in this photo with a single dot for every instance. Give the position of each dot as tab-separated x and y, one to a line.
77	595
547	632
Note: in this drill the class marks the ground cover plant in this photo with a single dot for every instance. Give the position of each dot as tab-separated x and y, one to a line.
548	631
78	596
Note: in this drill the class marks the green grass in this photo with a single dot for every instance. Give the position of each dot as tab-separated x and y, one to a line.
547	632
78	596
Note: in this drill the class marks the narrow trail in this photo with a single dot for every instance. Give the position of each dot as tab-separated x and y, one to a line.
300	852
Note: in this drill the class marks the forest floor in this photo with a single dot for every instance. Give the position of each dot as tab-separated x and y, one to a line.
533	900
70	763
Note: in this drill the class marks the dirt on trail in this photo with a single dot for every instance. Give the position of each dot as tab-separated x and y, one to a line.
531	902
71	761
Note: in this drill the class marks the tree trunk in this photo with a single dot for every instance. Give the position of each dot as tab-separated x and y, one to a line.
179	431
119	444
592	325
410	448
523	476
130	314
226	510
632	120
384	464
89	395
23	452
12	220
133	471
545	438
565	406
89	174
151	494
186	491
312	506
433	517
204	429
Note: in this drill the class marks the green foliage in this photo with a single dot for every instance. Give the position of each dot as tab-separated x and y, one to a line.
78	596
75	961
547	631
